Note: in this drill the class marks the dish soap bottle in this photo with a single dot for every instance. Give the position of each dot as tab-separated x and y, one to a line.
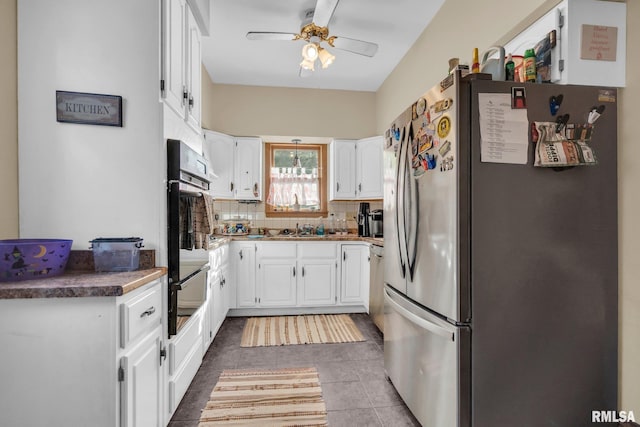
332	224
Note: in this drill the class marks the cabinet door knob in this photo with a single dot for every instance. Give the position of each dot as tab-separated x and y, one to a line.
240	254
294	272
303	271
337	186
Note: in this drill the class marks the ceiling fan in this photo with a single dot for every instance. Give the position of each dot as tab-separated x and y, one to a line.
315	31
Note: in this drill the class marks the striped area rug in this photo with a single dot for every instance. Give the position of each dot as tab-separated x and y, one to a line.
282	397
307	329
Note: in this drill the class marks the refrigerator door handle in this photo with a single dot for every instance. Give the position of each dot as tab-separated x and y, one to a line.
413	218
417	320
399	212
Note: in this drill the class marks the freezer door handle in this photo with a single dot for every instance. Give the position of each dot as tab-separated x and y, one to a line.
417	320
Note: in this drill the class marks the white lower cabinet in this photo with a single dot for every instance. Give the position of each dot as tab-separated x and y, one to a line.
318	274
244	258
354	277
317	282
85	361
301	275
141	388
218	301
276	274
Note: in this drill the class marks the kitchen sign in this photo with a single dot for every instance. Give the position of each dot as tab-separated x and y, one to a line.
599	43
88	108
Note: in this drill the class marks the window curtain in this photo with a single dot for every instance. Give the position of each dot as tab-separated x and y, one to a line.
287	183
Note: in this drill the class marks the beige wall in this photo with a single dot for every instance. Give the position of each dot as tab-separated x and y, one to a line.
629	231
255	110
8	121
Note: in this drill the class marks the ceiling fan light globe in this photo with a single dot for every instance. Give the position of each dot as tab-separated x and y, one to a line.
310	51
326	58
307	65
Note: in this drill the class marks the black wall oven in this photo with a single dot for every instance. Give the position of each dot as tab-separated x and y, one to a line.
187	179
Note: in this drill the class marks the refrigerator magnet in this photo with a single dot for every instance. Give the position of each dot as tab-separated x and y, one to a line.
444	149
554	103
518	98
444	126
421	106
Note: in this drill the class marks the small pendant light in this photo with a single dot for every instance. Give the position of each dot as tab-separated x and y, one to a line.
296	159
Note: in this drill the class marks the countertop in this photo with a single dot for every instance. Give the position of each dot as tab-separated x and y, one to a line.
76	283
221	240
79	280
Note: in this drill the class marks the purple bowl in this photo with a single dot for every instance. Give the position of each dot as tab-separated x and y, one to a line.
27	259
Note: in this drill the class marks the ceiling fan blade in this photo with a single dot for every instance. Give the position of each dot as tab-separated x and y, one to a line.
356	46
324	11
256	35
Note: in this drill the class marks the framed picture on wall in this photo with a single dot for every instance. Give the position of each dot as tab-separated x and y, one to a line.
88	108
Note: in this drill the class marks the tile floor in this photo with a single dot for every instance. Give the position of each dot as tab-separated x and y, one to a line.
355	389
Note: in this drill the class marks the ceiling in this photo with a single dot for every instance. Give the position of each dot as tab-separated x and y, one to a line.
230	58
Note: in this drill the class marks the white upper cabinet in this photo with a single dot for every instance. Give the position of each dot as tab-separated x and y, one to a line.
237	162
194	71
248	168
173	54
181	62
342	178
218	149
369	168
355	169
591	42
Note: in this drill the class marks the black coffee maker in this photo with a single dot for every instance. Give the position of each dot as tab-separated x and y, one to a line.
363	220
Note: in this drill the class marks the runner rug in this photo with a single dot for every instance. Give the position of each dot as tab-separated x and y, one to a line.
307	329
282	397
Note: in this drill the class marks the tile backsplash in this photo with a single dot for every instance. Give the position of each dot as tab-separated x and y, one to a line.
255	213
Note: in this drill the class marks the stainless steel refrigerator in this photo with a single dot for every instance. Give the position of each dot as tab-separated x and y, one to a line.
501	279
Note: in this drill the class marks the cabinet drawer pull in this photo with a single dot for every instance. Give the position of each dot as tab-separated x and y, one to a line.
294	272
148	312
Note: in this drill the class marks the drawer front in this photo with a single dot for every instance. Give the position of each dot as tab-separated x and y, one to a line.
180	381
183	343
318	250
276	250
139	314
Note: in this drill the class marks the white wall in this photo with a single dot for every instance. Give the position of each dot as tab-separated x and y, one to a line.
84	181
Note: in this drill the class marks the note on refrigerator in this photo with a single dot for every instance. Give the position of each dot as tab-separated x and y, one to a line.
504	132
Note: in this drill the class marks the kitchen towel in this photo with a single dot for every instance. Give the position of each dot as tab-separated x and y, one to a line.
281	397
186	221
307	329
202	221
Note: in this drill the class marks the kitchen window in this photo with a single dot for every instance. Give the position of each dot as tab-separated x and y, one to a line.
296	191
